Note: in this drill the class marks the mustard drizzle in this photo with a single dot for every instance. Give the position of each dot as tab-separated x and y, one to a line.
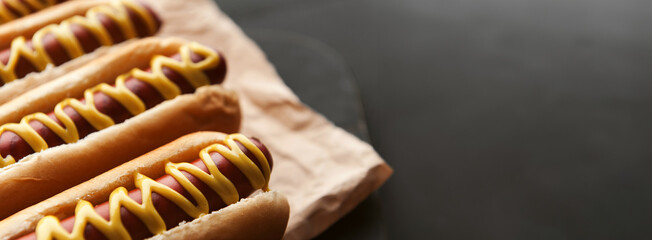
193	72
49	227
22	7
116	10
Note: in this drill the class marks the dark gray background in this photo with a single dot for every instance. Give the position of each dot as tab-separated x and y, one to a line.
503	119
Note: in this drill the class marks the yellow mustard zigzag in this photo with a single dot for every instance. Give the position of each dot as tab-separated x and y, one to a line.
23	8
191	71
49	227
117	11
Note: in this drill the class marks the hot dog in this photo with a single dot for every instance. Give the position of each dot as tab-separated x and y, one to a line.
36	132
238	166
13	9
130	116
28	25
105	24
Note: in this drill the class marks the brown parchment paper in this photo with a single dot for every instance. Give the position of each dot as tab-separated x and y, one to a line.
323	170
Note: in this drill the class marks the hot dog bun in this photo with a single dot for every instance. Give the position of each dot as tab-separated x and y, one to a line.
268	211
11	10
105	69
26	27
41	175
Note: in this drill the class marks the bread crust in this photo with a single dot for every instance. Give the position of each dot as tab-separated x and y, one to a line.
268	211
42	175
263	217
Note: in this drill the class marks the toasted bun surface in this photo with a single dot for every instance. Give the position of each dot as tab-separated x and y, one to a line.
41	175
269	208
263	217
